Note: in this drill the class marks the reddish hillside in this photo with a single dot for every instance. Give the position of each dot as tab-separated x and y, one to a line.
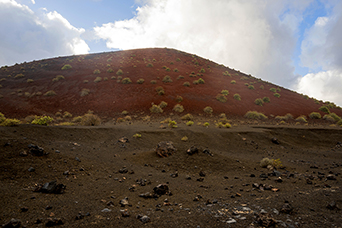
24	86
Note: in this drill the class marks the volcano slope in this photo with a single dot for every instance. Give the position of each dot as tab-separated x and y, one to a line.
109	83
103	180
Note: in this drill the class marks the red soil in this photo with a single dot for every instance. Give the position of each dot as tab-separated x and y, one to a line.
110	97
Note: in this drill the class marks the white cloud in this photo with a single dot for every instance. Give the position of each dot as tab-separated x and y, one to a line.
31	35
322	54
324	85
257	37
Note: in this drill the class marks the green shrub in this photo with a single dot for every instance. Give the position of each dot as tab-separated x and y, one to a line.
160	90
273	90
259	101
178	60
19	76
172	124
10	122
126	81
324	109
163	104
167	79
339	123
149	65
202	70
315	115
28	81
105	79
200	81
250	87
179	98
50	93
84	92
110	70
261	87
178	108
237	97
137	136
225	92
153	81
222	98
176	70
277	95
67	114
140	81
90	119
58	78
206	124
187	84
208	110
195	82
184	139
232	82
156	109
336	117
189	123
119	72
97	79
226	73
66	67
301	119
42	120
246	84
97	71
180	77
2	117
328	117
187	117
255	115
221	125
77	119
266	99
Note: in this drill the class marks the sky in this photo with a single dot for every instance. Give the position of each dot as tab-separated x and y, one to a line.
295	44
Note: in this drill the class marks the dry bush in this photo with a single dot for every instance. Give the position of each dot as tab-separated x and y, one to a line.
84	92
66	67
237	97
156	109
178	108
259	101
187	117
90	120
255	115
179	98
163	104
222	98
208	110
50	93
315	115
160	90
97	79
126	81
187	84
301	119
167	79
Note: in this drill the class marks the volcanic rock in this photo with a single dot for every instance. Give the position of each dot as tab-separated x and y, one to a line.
165	149
192	150
36	150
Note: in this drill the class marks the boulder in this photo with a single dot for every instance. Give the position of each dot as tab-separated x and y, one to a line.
161	189
165	149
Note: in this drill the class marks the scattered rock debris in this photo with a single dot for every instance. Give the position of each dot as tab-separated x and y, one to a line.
165	149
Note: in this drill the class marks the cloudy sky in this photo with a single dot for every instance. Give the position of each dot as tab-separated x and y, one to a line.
296	44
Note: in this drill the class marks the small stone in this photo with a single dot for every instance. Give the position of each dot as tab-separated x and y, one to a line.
23	153
12	223
125	213
263	175
286	208
31	169
24	209
36	150
106	210
332	206
57	151
123	140
124	202
77	159
275	140
231	221
252	175
66	172
192	150
331	177
161	189
123	170
202	173
145	219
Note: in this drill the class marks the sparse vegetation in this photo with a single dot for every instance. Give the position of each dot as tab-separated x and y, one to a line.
153	82
149	65
180	77
178	108
237	97
315	115
206	124
137	136
225	92
324	109
179	98
50	93
90	119
200	81
189	123
172	124
140	81
84	92
226	73
187	117
250	87
163	104
110	70
66	67
232	82
58	78
10	122
266	99
167	79
126	81
67	114
273	90
119	72
261	87
265	162
187	84
156	109
277	95
97	79
301	119
225	125
19	76
28	81
96	71
222	98
259	101
208	110
184	139
255	115
160	90
42	120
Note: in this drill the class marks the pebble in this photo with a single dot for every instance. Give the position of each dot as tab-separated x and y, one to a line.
31	169
231	221
77	159
106	210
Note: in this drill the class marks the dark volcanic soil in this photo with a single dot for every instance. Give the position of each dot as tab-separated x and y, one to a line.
226	196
